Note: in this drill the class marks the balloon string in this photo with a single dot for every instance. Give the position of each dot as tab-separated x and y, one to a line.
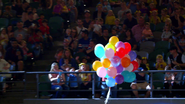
108	95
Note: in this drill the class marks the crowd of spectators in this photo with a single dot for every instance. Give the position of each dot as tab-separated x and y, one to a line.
133	21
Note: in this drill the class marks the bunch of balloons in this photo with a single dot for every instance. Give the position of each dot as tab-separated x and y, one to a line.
117	62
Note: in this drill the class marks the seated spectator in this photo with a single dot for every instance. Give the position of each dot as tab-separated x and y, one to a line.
14	55
145	62
110	18
130	21
58	54
58	81
64	11
117	27
138	29
115	3
152	7
73	47
30	20
122	12
4	37
20	30
73	11
73	35
67	54
164	15
99	13
176	58
41	18
132	5
25	14
167	34
114	33
7	13
83	43
10	31
104	39
140	77
18	7
4	67
182	44
85	77
35	15
137	15
129	38
57	8
160	65
19	39
27	54
152	1
90	51
68	35
2	51
87	20
169	23
97	28
80	28
147	34
66	65
154	18
46	4
106	6
143	9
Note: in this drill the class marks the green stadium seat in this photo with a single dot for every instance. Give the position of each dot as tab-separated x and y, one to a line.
44	86
34	5
152	27
162	45
55	24
159	84
159	27
4	22
157	36
152	55
143	54
124	85
147	46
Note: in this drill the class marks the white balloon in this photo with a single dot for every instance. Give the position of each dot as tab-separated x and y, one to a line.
130	68
127	56
109	53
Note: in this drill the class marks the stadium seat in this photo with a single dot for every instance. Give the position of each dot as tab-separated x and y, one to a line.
162	45
166	58
157	77
4	22
44	85
152	27
152	55
159	27
157	36
142	54
55	24
152	65
34	5
147	46
122	86
14	21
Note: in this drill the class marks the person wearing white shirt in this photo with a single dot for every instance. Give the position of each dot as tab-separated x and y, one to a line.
80	28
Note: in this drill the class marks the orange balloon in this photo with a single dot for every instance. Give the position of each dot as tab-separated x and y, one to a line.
106	63
125	62
96	65
116	83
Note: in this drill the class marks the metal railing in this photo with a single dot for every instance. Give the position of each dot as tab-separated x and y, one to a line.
93	80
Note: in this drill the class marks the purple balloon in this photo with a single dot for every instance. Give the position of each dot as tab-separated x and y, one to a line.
119	68
120	44
119	79
132	55
115	61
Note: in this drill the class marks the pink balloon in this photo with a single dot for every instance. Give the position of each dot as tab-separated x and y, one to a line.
130	68
112	71
101	72
109	53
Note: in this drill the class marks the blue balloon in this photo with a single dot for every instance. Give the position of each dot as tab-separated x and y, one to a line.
107	76
115	61
126	75
110	82
132	55
132	77
99	50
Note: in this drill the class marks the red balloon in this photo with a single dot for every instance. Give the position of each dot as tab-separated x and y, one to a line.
136	65
127	47
120	52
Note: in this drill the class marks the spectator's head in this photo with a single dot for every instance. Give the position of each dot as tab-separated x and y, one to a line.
85	34
177	11
71	2
67	54
19	37
38	32
129	33
25	4
63	2
73	32
105	32
66	61
14	43
10	28
144	60
176	4
82	66
92	43
164	12
42	16
19	2
147	25
54	67
44	22
99	7
129	15
167	68
87	14
141	21
97	21
105	2
84	60
23	43
138	13
19	25
166	28
7	8
168	22
152	6
34	26
80	23
68	31
114	32
30	15
101	21
34	10
59	2
143	5
173	50
138	59
66	42
182	10
123	5
159	59
117	21
3	30
29	9
154	13
110	13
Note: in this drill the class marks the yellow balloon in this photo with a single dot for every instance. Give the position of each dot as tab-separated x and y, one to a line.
106	62
113	40
110	46
116	83
96	65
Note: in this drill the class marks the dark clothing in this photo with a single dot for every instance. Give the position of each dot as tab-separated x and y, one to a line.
28	23
71	61
18	9
175	22
140	79
11	54
178	59
131	23
86	24
132	41
102	41
95	15
85	94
